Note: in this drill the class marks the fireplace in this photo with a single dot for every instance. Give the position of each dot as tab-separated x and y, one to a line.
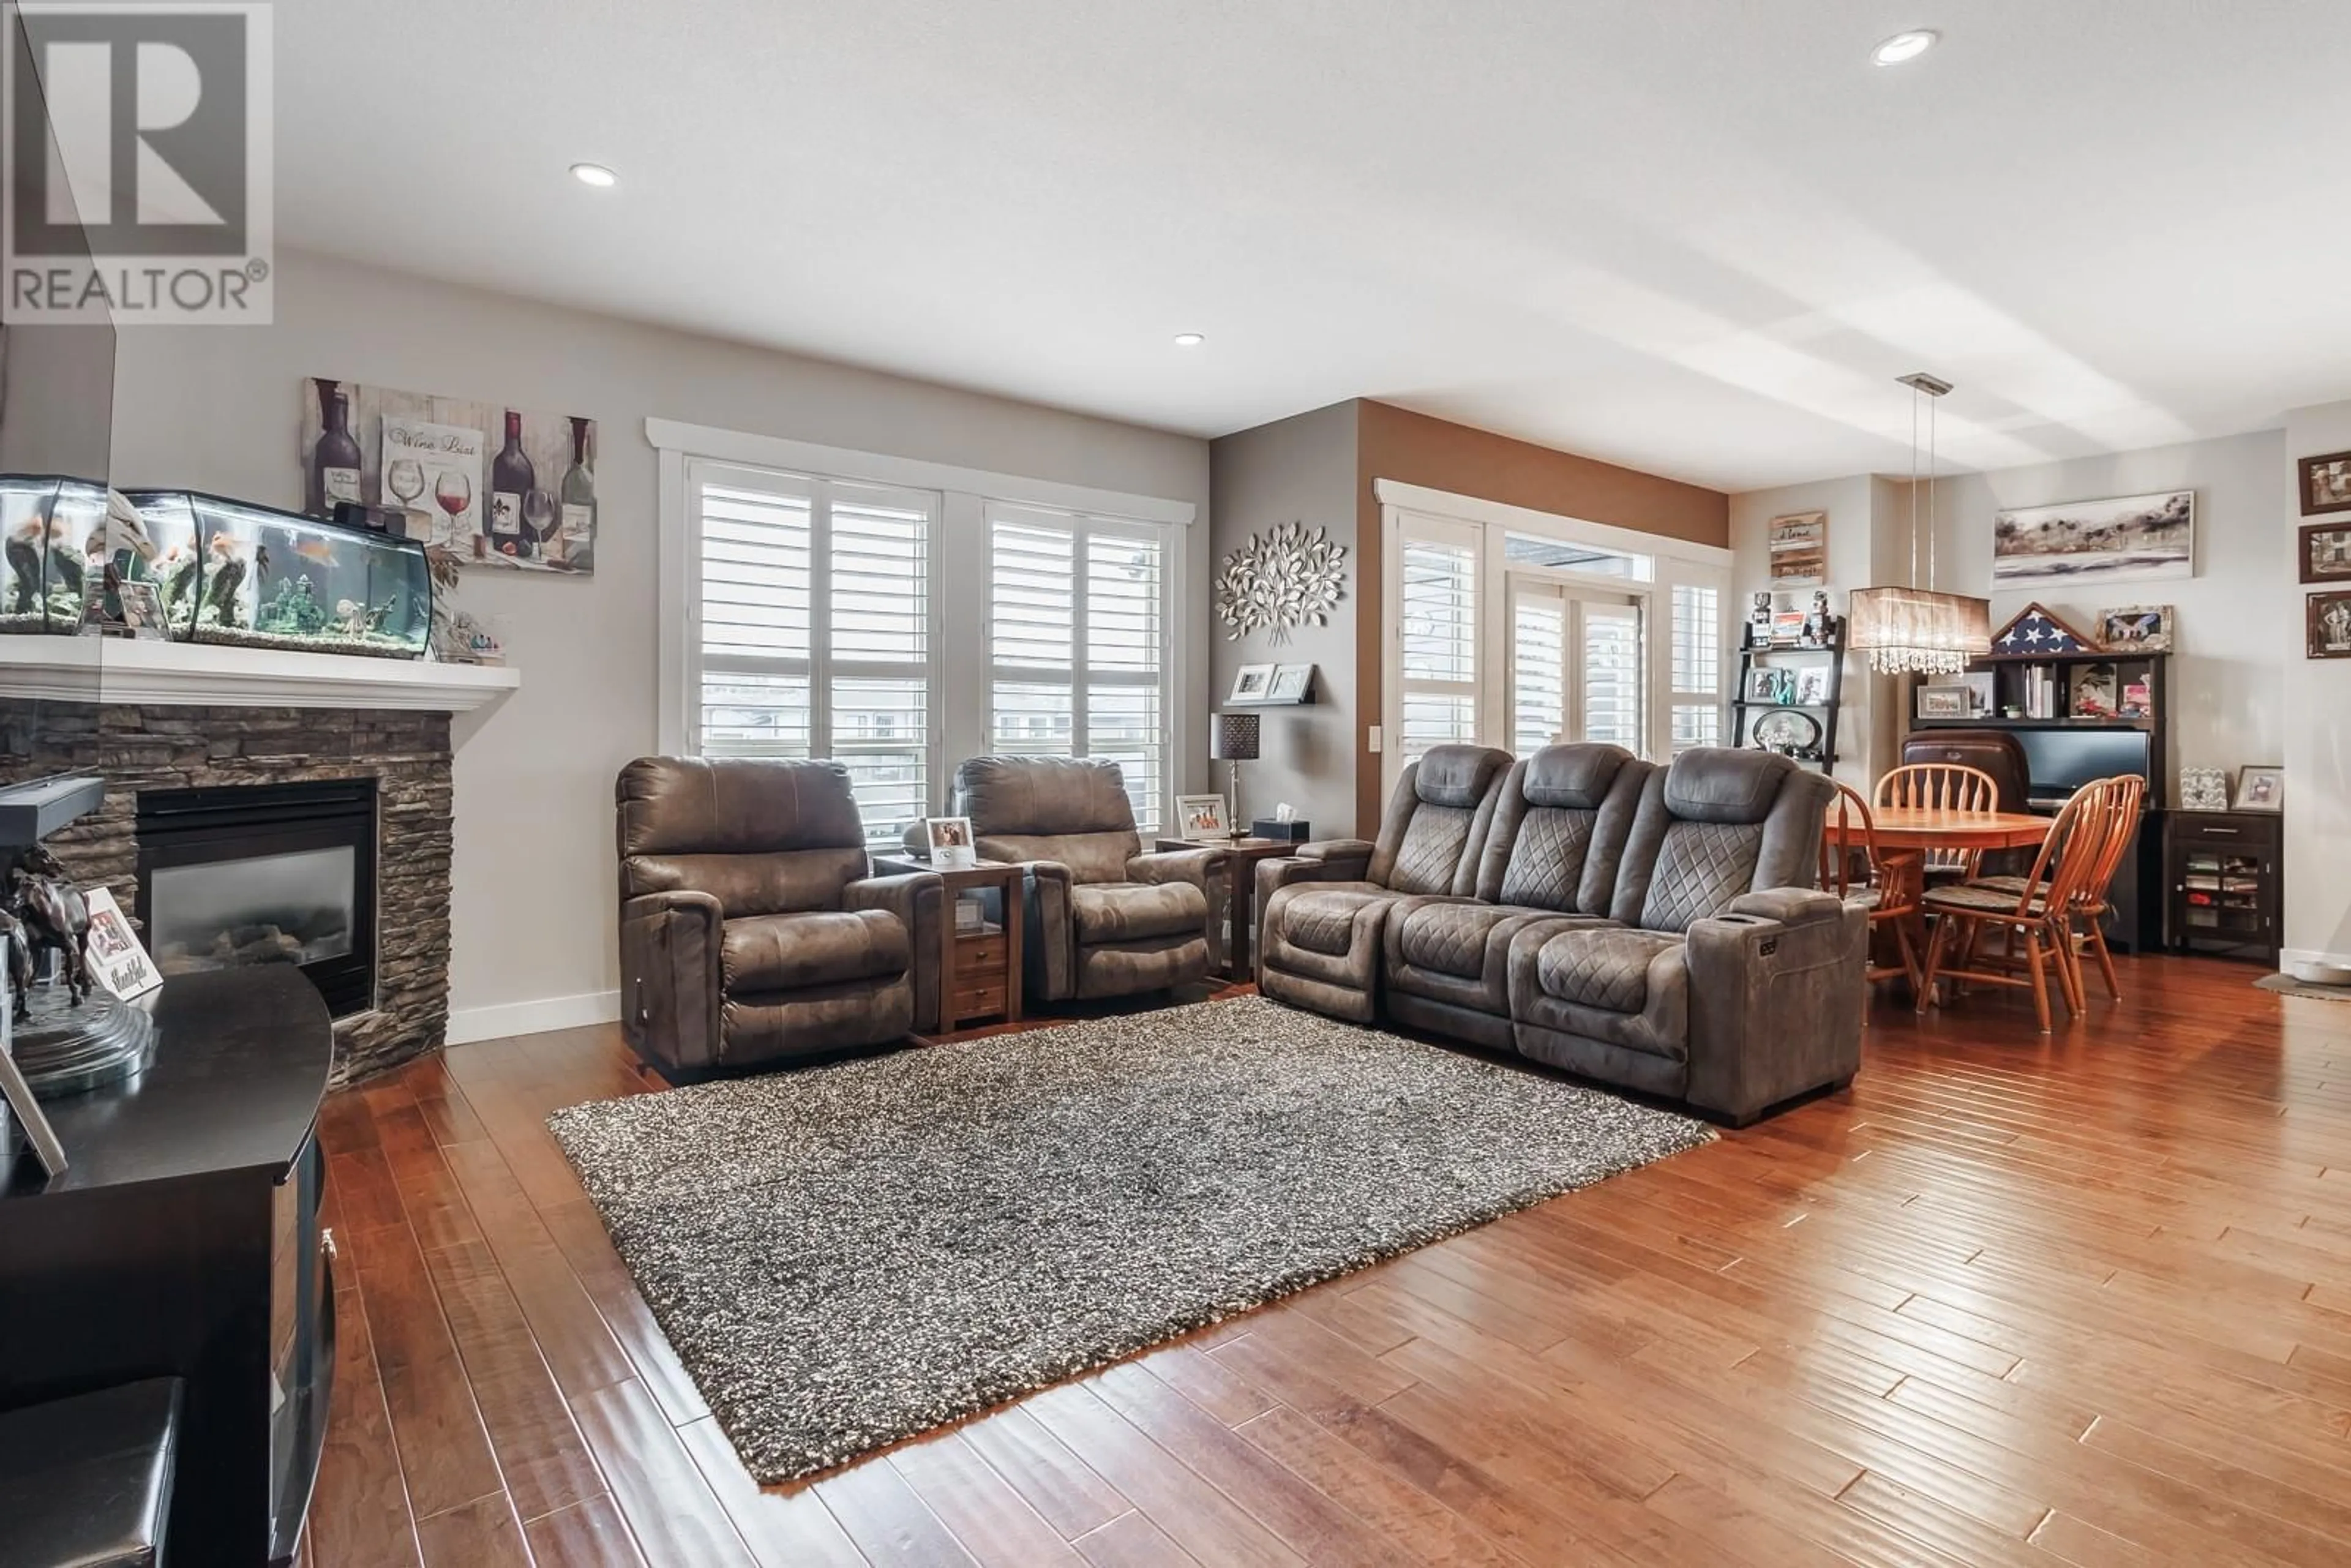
263	874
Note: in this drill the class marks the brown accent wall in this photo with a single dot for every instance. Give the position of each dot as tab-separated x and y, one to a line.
1392	443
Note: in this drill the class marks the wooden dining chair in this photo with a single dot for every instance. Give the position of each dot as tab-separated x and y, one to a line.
1852	866
1942	787
2035	918
2126	792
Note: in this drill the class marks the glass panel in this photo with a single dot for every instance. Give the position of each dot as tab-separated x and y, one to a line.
291	908
1031	719
1123	725
1435	718
1122	603
1534	550
879	581
880	732
1696	724
746	715
1612	675
1538	670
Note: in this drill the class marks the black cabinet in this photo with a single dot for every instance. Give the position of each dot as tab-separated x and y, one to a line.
183	1241
2224	883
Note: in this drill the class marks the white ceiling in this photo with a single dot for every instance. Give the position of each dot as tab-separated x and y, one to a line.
1695	236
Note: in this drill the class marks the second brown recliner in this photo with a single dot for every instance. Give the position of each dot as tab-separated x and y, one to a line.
1103	918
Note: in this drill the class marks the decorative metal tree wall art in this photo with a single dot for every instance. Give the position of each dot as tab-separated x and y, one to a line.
1286	577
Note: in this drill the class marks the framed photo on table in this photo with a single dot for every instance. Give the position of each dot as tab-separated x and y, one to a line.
1201	817
1251	683
2261	789
951	843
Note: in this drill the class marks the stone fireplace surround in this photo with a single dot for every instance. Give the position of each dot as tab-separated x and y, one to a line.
407	753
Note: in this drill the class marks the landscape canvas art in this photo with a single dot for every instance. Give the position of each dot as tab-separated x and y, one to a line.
2114	540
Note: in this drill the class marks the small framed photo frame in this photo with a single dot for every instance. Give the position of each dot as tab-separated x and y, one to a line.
1291	683
1787	628
2325	482
2136	629
2260	789
1201	817
1251	683
951	844
2327	624
1767	686
1945	701
1813	687
2325	552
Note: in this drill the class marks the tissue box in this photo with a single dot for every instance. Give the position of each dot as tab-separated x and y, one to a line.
1286	832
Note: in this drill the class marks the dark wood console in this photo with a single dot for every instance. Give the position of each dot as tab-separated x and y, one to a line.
185	1241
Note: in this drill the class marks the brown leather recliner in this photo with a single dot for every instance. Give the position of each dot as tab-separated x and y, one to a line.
751	931
1102	919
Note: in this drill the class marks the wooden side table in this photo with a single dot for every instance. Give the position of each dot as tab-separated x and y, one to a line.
1241	856
979	972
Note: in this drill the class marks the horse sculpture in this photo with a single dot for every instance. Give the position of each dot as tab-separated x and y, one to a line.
54	917
16	951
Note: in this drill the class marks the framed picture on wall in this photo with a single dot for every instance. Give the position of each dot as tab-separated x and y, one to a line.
1251	683
2077	544
2328	626
1799	548
2325	482
2326	552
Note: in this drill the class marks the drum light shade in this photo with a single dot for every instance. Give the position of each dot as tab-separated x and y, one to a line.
1911	630
1233	737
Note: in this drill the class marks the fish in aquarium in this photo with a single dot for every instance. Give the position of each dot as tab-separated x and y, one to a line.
226	575
34	545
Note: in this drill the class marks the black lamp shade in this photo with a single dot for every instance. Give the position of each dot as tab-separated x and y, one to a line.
1232	737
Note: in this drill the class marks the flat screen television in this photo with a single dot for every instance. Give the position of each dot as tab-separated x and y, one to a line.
57	381
2059	761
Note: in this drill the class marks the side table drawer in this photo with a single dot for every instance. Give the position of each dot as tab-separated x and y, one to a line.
980	957
977	1000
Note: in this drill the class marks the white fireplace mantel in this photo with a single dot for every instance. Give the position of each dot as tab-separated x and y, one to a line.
124	672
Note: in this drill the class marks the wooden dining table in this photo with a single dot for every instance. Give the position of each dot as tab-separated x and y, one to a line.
1903	830
1916	827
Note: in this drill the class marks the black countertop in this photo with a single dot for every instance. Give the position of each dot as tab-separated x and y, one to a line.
241	1063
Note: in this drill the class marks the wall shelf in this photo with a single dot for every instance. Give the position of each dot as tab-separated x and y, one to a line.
123	671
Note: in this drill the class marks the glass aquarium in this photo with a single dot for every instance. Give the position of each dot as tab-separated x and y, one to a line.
257	578
49	526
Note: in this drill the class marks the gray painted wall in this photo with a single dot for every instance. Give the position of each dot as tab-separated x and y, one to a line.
1300	469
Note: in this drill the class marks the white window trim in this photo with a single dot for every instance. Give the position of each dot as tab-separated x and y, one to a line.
1676	561
960	555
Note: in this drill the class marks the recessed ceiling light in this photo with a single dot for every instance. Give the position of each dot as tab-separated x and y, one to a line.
1190	340
1907	45
594	174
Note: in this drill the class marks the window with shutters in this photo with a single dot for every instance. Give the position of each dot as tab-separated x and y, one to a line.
1575	665
1078	645
812	630
1697	695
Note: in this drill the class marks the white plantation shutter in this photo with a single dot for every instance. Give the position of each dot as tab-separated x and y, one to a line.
1438	642
812	609
1078	645
1538	666
1697	639
1613	697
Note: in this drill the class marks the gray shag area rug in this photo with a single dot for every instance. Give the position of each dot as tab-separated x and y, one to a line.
844	1256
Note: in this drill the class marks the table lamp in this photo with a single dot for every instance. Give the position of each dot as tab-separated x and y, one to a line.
1232	740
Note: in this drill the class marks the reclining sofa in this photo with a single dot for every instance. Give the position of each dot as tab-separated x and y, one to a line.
1651	928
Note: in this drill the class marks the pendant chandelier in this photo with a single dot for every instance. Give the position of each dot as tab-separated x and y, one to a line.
1917	631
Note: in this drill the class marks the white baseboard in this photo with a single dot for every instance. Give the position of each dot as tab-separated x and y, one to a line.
469	1024
2292	956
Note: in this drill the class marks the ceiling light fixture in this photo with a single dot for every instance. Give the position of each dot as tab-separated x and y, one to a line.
595	174
1910	629
1907	45
1190	340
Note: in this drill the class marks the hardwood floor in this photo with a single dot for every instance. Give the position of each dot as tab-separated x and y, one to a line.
2077	1299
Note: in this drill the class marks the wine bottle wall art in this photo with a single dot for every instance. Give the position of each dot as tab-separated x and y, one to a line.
495	484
